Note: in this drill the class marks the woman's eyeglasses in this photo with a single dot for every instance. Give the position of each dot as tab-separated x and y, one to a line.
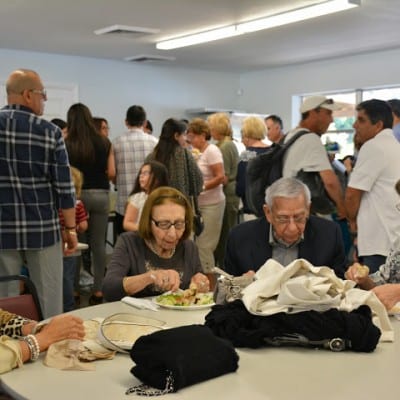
166	225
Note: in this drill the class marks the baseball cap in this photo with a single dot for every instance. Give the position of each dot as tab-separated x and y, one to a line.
313	102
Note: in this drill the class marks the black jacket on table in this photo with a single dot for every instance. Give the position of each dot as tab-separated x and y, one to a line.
248	246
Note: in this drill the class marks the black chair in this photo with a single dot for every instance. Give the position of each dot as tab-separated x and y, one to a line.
26	304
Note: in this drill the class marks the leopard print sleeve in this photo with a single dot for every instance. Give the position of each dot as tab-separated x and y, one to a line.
11	324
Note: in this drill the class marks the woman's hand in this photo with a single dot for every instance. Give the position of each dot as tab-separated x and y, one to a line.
201	281
359	274
388	294
59	328
166	279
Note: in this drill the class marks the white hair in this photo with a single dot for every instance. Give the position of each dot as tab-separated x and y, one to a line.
289	188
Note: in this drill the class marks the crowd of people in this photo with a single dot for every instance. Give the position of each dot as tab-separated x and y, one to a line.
58	191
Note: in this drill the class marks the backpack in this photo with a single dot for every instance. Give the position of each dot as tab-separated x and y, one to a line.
263	170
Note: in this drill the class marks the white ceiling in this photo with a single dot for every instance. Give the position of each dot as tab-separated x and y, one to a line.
66	27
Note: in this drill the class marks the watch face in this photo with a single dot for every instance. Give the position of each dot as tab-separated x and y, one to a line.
337	344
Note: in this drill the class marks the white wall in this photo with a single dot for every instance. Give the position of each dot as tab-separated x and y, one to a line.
271	90
108	87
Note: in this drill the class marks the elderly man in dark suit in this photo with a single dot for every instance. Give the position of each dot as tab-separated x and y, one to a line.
287	232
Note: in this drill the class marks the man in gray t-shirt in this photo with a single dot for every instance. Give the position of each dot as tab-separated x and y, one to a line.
307	152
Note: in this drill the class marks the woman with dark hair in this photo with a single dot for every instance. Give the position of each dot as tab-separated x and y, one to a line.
183	172
101	125
159	256
92	154
152	174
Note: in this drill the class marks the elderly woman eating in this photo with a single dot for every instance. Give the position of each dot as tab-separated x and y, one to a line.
159	257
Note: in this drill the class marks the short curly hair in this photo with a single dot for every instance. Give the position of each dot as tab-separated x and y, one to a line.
253	128
220	123
199	126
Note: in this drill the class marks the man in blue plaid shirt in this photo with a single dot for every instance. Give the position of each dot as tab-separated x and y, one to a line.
35	182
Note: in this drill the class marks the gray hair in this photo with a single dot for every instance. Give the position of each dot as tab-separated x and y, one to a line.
289	188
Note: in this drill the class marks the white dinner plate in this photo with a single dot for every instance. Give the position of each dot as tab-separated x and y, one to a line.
185	308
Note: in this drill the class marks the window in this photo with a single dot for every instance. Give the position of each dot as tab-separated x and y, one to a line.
341	130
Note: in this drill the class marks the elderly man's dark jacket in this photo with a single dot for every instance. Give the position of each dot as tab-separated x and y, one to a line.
248	246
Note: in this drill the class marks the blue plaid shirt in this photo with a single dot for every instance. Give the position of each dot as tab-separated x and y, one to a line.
35	180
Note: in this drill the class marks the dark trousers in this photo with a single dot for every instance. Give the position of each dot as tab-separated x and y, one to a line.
374	261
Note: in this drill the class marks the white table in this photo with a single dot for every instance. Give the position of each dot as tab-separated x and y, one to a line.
268	373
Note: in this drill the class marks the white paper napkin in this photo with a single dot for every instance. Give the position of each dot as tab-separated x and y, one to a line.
141	304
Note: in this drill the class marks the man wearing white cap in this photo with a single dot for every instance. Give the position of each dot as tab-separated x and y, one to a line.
308	154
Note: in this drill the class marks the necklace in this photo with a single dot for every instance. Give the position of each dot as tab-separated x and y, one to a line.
154	250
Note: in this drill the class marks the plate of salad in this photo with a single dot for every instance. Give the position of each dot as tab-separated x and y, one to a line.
185	300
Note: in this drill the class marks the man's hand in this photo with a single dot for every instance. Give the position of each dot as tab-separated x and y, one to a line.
70	241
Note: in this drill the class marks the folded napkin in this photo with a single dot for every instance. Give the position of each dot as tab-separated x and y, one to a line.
141	304
73	355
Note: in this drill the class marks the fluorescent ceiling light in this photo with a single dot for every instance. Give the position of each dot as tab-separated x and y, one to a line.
300	14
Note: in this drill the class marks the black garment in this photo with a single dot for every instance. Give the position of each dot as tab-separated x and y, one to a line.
94	173
232	321
190	354
244	158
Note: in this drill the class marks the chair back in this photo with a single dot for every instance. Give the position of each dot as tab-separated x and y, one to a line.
26	304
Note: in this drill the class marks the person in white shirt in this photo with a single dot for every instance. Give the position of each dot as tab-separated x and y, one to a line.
130	151
371	200
152	174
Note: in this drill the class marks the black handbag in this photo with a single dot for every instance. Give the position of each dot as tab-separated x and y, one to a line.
320	201
171	359
198	222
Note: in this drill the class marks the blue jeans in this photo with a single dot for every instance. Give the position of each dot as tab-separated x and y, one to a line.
69	264
373	262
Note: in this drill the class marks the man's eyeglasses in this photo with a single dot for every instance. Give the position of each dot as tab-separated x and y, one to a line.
285	219
166	225
42	92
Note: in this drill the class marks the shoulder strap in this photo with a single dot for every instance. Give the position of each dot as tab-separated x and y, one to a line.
283	147
295	137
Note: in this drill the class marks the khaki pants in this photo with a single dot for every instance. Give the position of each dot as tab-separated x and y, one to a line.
208	240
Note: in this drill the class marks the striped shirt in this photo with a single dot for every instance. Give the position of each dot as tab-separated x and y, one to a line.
80	214
130	150
35	180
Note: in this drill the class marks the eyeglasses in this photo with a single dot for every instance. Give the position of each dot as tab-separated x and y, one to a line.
166	225
285	219
42	92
